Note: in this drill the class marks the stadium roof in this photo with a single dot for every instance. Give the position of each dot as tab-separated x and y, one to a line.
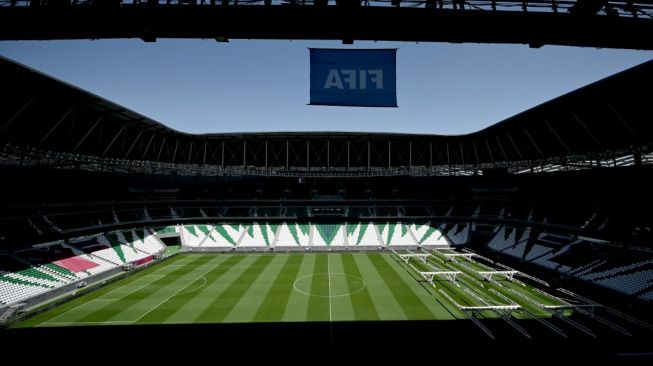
40	112
585	23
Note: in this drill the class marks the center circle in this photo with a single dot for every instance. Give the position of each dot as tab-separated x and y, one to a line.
329	284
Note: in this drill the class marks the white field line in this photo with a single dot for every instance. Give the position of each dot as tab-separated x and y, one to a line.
180	290
50	322
109	322
329	276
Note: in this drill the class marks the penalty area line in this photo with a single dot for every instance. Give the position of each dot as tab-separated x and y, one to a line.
130	291
108	322
176	293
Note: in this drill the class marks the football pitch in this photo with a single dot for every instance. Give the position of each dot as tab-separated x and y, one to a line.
298	287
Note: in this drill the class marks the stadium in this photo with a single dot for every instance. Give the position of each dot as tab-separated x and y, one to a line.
528	239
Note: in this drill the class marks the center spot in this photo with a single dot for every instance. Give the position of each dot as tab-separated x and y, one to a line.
329	284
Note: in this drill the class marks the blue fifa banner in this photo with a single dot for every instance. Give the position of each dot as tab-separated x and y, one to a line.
362	78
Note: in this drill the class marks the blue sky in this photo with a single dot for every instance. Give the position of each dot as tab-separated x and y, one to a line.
203	86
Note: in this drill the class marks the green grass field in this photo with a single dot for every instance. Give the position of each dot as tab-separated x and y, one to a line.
215	288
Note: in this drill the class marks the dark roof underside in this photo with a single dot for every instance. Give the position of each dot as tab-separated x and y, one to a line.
41	112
